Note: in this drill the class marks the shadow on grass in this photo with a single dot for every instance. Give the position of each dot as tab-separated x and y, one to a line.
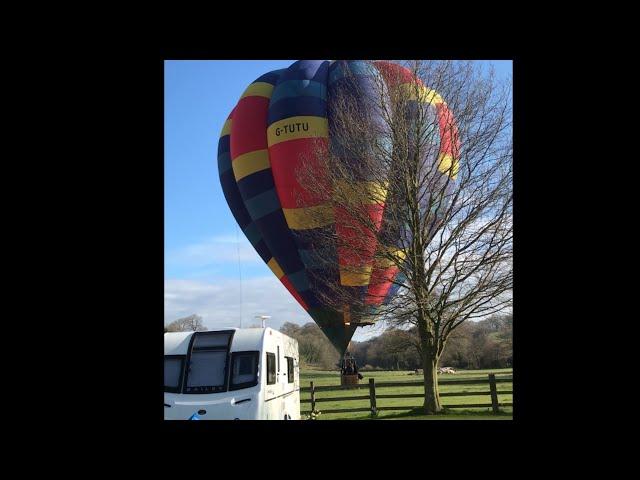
418	414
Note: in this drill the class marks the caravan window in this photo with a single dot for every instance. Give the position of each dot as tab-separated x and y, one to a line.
207	363
206	369
173	368
290	374
271	368
211	340
244	370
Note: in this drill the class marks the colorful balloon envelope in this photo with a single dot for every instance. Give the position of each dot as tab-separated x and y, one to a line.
282	120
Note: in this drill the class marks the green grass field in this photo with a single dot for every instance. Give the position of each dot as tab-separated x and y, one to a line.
321	378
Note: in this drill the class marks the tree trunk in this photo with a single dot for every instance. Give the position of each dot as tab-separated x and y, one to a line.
431	393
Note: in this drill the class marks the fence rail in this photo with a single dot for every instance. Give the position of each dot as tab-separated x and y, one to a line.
372	396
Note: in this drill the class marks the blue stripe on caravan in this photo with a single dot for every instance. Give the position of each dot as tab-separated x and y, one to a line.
299	280
256	183
252	233
307	70
224	162
263	204
296	106
299	88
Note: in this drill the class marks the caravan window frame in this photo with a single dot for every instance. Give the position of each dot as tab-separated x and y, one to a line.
203	390
266	364
239	386
291	372
183	360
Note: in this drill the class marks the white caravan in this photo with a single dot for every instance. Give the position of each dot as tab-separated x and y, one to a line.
231	374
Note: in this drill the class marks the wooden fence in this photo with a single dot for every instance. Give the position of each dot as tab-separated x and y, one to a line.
372	396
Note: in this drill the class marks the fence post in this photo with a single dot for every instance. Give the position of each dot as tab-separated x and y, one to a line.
494	393
313	398
372	396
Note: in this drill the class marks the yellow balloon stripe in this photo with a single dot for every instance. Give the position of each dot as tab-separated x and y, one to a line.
275	268
421	93
294	128
355	277
250	162
308	217
447	164
361	192
258	89
226	128
364	193
387	262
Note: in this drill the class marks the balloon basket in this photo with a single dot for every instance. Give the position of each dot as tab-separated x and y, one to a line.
349	381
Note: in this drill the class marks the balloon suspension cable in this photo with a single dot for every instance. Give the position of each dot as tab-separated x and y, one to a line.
239	271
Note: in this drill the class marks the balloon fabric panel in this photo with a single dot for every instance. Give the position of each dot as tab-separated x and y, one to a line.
282	122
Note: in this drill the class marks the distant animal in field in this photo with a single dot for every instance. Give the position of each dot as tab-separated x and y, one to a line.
446	370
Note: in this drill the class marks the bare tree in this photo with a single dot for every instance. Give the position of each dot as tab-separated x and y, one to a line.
192	323
417	178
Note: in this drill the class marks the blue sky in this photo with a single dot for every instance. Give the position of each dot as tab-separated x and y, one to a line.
205	253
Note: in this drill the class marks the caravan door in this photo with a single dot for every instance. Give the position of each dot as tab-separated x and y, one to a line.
282	379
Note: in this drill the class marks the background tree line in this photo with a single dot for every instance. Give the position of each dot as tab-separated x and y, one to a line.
192	323
474	345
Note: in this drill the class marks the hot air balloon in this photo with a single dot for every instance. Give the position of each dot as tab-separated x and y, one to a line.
279	121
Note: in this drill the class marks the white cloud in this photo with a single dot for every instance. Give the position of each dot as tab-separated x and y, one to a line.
213	251
218	303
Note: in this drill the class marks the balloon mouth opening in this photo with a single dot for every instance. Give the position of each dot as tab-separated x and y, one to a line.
361	323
